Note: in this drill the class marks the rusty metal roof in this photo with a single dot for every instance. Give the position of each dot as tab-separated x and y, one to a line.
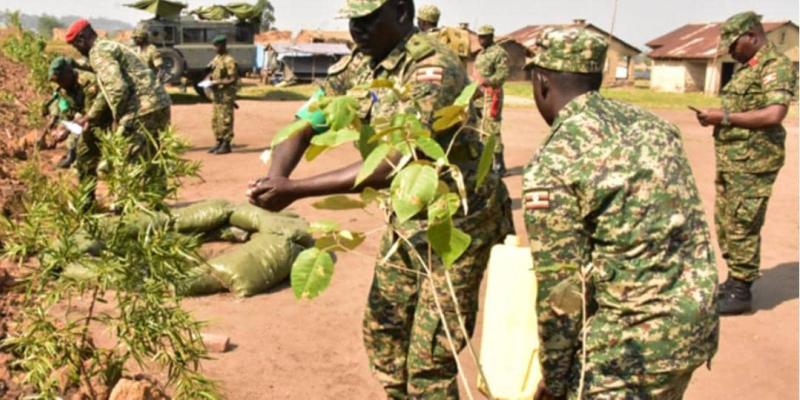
694	41
527	35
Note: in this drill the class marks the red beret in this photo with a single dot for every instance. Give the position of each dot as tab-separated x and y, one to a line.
75	29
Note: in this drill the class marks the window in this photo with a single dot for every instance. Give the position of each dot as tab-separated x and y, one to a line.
783	38
169	34
193	35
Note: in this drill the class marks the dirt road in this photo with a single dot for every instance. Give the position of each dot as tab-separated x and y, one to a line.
286	349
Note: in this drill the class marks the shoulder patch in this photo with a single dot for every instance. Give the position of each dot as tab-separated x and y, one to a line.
429	74
340	65
419	47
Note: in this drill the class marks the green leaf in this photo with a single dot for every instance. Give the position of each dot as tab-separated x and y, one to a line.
412	190
485	163
339	202
341	112
341	241
372	162
313	151
323	226
448	242
289	131
431	148
311	273
465	98
369	195
458	177
333	138
448	117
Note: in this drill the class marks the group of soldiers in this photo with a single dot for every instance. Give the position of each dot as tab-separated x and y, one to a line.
120	89
628	299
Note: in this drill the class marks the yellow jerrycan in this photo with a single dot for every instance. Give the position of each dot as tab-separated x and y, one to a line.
509	349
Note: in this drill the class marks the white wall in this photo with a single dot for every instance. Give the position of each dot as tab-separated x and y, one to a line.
668	76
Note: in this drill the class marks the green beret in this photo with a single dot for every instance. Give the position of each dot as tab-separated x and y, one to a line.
57	65
569	50
359	8
429	13
486	30
736	26
219	39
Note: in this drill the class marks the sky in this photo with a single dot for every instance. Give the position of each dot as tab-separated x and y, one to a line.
637	21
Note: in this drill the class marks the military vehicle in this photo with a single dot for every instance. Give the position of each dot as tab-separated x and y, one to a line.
185	45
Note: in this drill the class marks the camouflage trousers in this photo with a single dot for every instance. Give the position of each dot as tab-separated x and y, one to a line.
404	334
145	131
222	119
87	149
740	211
491	126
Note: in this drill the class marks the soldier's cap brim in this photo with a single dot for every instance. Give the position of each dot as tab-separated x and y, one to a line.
349	13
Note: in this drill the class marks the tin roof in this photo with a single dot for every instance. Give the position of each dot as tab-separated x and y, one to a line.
309	49
695	41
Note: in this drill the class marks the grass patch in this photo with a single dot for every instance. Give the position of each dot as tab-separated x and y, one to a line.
639	96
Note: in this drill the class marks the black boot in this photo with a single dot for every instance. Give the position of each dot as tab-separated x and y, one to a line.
500	165
736	298
214	149
724	287
224	148
68	159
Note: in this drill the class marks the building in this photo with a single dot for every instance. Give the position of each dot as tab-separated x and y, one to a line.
301	62
619	67
318	36
273	36
687	59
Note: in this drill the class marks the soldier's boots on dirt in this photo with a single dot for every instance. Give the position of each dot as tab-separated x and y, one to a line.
224	148
500	165
735	297
68	159
216	147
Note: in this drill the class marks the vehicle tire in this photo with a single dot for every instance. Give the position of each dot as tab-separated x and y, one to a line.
172	66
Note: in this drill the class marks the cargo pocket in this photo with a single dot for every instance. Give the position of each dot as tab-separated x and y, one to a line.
738	150
750	213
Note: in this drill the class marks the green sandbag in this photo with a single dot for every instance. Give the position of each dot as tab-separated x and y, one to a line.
257	265
202	217
254	219
203	283
78	272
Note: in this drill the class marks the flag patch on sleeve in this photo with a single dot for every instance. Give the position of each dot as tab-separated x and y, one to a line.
538	199
430	74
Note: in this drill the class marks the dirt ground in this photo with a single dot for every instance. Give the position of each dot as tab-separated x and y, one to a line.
285	349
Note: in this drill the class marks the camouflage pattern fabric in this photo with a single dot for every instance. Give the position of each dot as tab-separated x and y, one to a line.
736	26
491	65
151	57
429	13
130	89
224	96
569	50
402	333
485	30
748	160
359	8
611	193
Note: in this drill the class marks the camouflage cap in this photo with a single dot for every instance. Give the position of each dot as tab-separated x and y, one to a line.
140	33
736	26
429	13
219	39
57	65
359	8
485	30
569	50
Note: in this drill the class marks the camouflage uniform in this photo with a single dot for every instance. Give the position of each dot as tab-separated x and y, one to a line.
151	57
492	67
403	334
138	103
611	193
224	97
748	160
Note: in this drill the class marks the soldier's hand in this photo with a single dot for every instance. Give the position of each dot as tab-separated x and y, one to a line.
710	117
273	194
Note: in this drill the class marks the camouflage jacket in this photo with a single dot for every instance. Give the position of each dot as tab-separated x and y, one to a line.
76	100
611	192
768	78
432	75
129	87
223	67
151	57
492	66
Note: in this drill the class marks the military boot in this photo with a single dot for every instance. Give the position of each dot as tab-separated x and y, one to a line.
500	165
224	148
216	147
736	298
68	159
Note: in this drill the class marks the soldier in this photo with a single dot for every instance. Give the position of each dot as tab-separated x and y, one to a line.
147	52
139	105
617	232
749	142
224	83
406	344
491	64
77	92
428	18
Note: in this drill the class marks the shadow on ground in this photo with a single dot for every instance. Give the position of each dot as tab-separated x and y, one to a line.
776	286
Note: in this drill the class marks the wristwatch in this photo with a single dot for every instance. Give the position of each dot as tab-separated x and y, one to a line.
726	118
